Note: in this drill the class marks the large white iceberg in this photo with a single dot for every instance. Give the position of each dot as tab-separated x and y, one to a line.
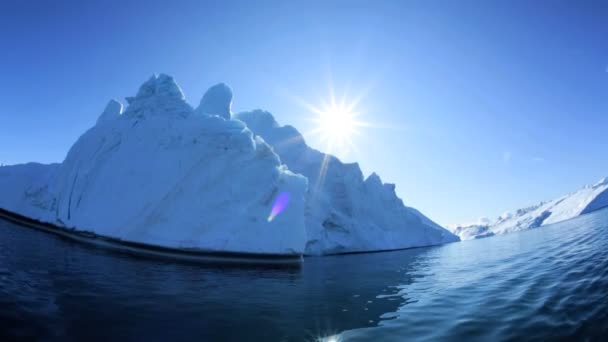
586	200
344	211
163	173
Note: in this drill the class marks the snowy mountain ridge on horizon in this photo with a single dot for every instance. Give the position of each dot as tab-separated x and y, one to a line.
165	173
585	200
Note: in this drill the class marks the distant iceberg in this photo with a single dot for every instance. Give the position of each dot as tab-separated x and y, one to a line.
586	200
163	173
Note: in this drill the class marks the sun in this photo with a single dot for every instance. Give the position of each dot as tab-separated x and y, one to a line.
336	124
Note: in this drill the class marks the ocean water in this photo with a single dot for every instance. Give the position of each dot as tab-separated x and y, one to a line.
549	283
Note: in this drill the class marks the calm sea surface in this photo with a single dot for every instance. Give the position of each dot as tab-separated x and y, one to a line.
546	283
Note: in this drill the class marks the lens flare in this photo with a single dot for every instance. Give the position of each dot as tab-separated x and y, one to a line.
333	338
280	203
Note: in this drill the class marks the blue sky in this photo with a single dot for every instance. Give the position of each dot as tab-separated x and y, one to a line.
481	106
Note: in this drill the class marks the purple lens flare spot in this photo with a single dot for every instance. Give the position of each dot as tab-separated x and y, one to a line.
280	203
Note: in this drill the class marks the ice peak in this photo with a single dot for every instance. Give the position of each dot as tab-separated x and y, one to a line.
160	93
603	181
112	111
374	179
160	85
217	100
258	119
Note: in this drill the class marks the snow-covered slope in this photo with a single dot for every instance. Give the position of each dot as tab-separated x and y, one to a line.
344	211
162	174
583	201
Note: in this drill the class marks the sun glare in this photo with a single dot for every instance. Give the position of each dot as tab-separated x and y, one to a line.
336	124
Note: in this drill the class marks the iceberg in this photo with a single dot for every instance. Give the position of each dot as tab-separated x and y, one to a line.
345	212
162	173
588	199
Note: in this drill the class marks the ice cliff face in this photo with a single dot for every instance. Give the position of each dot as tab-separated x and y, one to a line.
162	174
583	201
344	211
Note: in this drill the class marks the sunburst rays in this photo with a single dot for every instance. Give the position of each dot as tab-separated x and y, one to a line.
336	125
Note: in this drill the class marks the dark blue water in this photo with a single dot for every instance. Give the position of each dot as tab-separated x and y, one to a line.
547	283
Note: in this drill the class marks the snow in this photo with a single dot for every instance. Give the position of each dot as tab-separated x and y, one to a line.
163	173
583	201
344	211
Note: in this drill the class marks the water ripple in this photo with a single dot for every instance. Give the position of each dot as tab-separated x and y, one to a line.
543	284
547	283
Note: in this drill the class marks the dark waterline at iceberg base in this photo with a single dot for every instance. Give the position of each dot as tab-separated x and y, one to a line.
546	283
